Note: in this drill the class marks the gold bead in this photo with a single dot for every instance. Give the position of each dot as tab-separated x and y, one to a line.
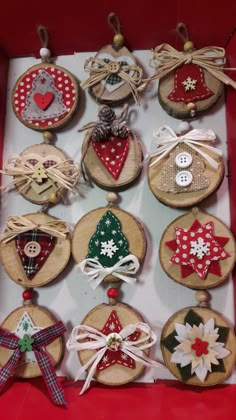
188	46
202	296
47	136
191	106
112	197
118	40
54	198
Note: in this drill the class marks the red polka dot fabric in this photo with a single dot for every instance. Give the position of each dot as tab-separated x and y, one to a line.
63	82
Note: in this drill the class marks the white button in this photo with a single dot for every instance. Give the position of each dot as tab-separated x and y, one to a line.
184	178
183	160
32	249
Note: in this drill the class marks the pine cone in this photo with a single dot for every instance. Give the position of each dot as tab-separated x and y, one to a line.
119	129
100	132
106	114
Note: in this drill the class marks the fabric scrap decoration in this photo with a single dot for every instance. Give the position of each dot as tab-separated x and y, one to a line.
109	253
114	344
197	347
198	250
36	343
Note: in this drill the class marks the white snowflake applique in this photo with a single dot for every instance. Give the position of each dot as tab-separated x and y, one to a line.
112	326
97	242
108	222
189	84
124	356
113	232
105	359
199	248
109	248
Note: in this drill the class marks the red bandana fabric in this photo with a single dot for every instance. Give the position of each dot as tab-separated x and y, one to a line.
45	244
112	153
198	250
189	85
111	357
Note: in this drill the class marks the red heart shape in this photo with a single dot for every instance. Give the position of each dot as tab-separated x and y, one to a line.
43	101
112	153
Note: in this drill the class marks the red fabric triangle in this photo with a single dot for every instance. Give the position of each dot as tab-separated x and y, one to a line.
111	357
221	240
189	85
215	268
112	153
171	244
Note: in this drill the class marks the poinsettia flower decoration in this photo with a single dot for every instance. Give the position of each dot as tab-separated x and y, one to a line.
198	250
198	347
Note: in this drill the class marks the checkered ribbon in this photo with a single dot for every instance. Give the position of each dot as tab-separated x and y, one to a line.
42	339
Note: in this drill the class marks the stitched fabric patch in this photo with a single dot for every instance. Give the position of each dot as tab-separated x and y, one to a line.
113	79
108	245
48	110
112	357
112	153
198	250
40	245
189	85
169	171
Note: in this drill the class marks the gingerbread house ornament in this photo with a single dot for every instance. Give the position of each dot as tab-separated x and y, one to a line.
114	74
190	82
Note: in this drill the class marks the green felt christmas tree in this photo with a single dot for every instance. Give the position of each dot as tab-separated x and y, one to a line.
108	245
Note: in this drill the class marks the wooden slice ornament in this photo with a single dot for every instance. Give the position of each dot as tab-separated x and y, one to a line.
113	344
109	244
46	96
31	345
190	82
184	170
111	152
38	244
42	174
114	75
197	250
198	345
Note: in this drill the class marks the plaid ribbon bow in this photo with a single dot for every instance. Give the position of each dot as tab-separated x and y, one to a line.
40	340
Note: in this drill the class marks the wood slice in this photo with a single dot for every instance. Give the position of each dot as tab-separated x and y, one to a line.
86	227
64	82
40	193
212	378
179	109
99	174
53	266
186	198
116	374
102	91
40	317
193	281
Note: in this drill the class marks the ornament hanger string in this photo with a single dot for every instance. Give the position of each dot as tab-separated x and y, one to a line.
114	22
183	32
43	35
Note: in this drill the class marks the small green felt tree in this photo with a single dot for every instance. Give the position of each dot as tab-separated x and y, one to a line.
108	245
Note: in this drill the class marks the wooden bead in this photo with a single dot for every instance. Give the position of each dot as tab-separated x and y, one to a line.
112	197
47	136
202	296
54	198
112	293
118	40
188	46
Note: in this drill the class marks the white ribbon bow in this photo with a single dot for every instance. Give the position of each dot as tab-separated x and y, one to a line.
94	269
100	342
167	140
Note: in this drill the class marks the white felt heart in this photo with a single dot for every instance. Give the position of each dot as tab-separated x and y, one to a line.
123	58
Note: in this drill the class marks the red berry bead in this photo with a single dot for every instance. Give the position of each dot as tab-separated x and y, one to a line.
112	293
27	294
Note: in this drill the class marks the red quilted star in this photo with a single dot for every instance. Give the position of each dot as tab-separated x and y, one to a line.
111	357
198	249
